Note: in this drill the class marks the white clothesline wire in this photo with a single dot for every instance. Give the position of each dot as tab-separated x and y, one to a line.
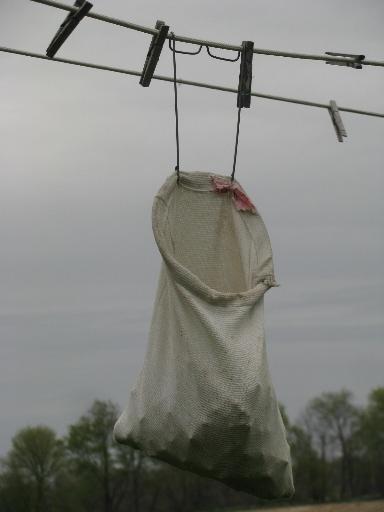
213	44
186	82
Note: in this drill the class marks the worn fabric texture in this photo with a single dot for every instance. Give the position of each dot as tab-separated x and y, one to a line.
204	400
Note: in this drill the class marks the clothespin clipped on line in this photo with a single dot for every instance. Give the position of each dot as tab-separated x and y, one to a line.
336	120
245	76
68	25
355	63
154	53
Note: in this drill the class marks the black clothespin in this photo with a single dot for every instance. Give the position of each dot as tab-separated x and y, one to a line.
355	63
154	53
245	76
68	25
336	120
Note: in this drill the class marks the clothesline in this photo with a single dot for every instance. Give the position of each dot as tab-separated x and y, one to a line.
185	82
213	44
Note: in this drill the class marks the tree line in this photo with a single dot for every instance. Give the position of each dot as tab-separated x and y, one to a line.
337	453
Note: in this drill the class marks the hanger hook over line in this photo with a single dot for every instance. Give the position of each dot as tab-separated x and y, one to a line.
199	50
240	103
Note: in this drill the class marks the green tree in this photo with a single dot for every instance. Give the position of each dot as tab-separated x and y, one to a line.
134	476
15	492
32	467
89	444
332	419
112	474
309	471
306	465
372	435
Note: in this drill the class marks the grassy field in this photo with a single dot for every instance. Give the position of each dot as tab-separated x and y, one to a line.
357	506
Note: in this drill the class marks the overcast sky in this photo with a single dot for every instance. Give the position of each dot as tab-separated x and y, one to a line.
84	151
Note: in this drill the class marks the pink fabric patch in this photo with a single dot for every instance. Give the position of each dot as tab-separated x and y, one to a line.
240	198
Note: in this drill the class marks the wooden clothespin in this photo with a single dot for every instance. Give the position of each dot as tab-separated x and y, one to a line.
245	76
337	121
68	25
354	63
154	53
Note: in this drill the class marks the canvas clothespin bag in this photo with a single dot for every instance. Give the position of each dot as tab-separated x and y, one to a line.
204	400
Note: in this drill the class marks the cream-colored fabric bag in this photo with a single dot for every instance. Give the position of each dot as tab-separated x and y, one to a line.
204	400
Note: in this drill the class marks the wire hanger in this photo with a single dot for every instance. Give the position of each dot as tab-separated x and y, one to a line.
208	51
177	167
243	95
